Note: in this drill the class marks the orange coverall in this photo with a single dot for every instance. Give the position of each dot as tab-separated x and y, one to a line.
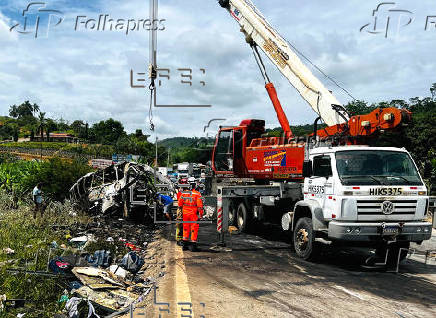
192	205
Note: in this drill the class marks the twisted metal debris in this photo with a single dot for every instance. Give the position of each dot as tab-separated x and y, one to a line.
121	187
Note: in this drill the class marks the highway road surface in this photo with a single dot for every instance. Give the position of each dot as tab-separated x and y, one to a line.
262	277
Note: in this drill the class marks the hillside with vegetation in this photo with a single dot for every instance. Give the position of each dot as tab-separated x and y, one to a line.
100	140
106	137
418	137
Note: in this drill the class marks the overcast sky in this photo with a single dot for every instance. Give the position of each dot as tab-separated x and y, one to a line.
85	74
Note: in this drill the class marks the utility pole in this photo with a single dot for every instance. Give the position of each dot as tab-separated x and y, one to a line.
168	160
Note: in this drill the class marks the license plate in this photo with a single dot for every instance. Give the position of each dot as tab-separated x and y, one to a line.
390	230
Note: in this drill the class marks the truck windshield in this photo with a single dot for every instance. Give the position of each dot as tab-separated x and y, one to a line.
369	167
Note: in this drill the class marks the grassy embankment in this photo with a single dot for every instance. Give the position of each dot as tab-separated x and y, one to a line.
30	239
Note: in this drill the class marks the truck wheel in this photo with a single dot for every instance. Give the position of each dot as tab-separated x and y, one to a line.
304	239
242	217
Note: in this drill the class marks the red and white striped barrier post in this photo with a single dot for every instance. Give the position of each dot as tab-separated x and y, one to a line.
219	224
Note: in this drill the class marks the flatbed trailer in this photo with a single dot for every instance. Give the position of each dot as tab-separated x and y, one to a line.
243	205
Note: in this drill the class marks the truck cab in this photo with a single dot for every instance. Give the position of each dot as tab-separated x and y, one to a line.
360	194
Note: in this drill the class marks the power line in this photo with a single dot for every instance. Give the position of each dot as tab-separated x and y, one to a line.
251	4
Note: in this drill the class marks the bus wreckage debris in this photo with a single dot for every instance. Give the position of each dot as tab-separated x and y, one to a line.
127	188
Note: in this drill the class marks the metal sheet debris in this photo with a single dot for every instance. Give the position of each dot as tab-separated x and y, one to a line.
119	187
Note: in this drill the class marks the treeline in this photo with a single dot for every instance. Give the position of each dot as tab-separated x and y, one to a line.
104	138
109	136
28	120
418	137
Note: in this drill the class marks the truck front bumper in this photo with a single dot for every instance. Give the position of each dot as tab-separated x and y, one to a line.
364	232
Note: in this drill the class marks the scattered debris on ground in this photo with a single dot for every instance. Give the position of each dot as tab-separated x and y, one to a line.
98	264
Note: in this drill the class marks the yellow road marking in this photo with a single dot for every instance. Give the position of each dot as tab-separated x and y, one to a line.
183	294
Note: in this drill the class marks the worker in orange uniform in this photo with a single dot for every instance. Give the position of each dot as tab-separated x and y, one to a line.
192	207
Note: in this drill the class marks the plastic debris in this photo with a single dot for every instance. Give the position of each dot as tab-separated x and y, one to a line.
132	247
119	271
100	258
74	308
132	262
8	251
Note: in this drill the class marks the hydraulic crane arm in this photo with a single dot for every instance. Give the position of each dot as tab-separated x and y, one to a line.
259	32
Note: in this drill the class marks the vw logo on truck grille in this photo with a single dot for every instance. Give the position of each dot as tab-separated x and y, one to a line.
387	207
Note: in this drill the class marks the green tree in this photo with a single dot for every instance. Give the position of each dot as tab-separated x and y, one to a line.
50	126
78	126
63	125
41	124
126	145
57	176
107	132
16	132
23	110
359	107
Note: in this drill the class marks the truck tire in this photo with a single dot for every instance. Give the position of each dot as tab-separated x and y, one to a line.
304	239
242	218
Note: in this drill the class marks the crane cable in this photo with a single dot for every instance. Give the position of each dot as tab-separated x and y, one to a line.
259	62
152	88
320	70
251	4
150	110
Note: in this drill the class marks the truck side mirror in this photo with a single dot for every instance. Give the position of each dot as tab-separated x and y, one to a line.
307	169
